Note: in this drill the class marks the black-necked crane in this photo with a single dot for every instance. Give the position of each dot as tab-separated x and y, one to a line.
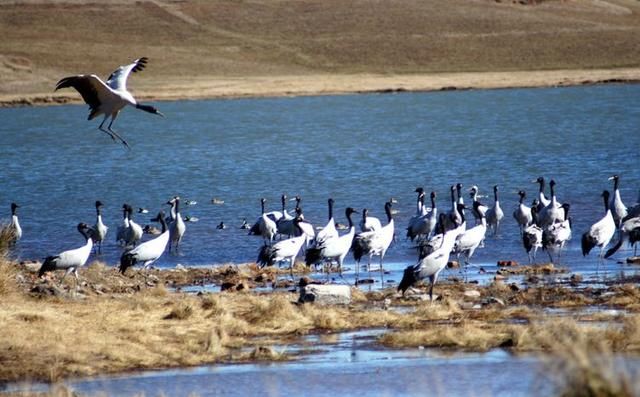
335	248
495	214
459	191
556	235
553	211
629	230
283	250
177	226
16	229
134	232
122	231
108	98
601	232
453	219
149	251
369	223
265	226
530	231
543	201
618	209
420	212
424	225
431	265
329	231
375	242
99	229
285	223
470	239
522	214
70	260
479	211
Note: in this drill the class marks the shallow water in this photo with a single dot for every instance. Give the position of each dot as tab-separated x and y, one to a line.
347	364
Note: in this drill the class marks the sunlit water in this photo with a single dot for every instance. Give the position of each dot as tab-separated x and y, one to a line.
359	149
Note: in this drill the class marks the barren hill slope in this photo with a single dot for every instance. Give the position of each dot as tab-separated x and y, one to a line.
192	41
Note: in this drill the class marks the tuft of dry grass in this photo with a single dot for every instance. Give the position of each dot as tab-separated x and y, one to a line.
584	366
466	335
7	239
180	311
8	276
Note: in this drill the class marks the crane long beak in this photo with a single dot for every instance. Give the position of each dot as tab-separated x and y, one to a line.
611	178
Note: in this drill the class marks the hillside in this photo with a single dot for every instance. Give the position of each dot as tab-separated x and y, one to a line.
253	44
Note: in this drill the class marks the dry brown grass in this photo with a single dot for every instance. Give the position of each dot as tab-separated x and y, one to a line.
7	239
8	275
191	43
118	323
586	366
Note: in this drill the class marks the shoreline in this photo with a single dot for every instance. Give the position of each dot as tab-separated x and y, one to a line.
215	87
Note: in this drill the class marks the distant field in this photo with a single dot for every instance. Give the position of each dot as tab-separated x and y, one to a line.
192	41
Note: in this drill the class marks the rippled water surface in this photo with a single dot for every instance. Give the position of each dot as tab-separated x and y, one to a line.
359	149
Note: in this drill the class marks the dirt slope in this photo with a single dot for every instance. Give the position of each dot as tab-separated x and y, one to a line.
193	43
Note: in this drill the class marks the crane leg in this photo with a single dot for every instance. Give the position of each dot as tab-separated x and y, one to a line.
116	135
111	132
101	128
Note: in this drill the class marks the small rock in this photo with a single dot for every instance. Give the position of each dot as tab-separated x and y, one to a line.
482	270
329	294
499	277
472	293
493	299
366	281
507	263
181	267
467	305
514	287
635	260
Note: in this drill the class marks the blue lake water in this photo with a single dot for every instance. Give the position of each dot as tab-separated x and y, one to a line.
359	149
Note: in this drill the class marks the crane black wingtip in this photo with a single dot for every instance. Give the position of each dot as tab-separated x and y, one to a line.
140	64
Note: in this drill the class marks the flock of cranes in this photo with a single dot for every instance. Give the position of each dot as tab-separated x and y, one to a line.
546	224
